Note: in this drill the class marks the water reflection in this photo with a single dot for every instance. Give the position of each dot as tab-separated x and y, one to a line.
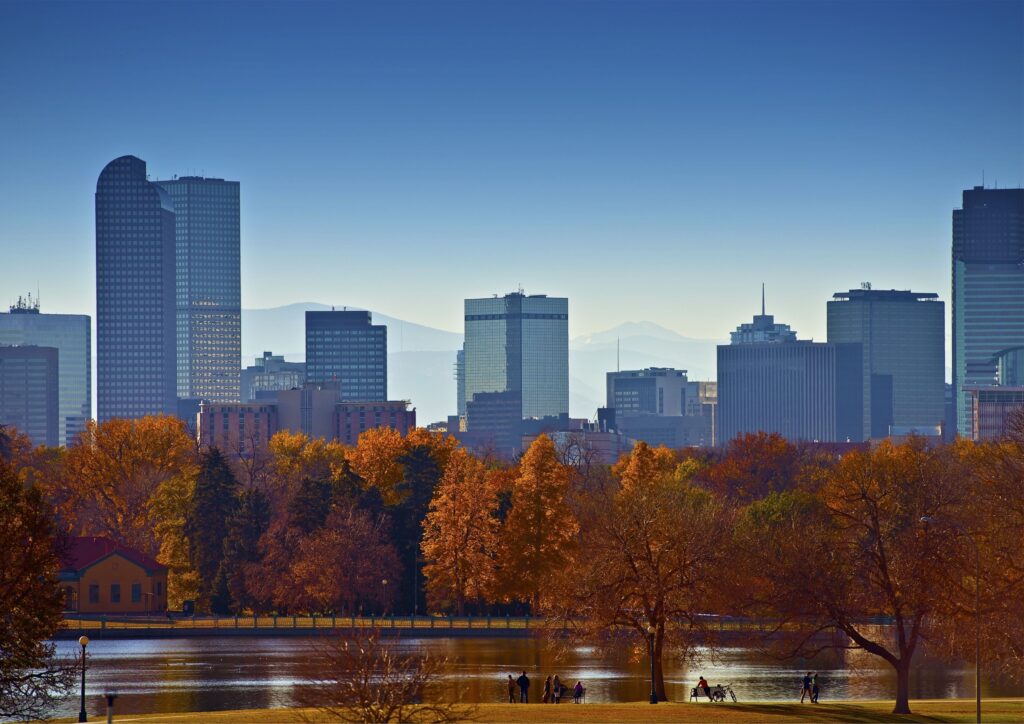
169	675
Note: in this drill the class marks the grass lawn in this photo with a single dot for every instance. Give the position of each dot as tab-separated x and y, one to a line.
936	710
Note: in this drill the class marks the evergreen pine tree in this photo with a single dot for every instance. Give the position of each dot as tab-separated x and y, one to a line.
213	502
241	546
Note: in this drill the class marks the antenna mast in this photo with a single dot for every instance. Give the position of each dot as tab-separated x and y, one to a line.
762	299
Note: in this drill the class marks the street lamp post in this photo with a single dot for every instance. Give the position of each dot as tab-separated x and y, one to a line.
84	641
928	520
384	595
650	648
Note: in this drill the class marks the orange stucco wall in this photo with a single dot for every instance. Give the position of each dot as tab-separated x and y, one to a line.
117	569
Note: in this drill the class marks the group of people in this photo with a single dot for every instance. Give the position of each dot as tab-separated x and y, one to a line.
554	690
810	688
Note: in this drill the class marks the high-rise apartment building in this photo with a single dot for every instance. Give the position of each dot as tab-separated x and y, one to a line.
29	392
347	348
207	287
902	335
71	335
803	390
460	383
519	344
988	289
135	293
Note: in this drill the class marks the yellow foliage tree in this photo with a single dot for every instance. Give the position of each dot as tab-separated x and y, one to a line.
375	458
132	480
540	528
460	535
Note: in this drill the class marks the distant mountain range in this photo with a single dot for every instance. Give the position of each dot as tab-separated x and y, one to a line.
421	360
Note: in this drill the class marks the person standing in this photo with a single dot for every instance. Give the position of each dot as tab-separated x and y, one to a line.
814	689
806	691
511	690
577	692
547	691
704	686
524	688
556	690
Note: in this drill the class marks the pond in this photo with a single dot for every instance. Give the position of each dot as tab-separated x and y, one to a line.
205	674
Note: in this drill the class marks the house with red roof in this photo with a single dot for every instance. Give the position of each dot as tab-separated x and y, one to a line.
99	575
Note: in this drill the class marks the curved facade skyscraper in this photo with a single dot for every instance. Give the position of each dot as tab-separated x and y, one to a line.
135	285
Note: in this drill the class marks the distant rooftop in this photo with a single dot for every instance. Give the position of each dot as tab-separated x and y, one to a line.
886	295
25	305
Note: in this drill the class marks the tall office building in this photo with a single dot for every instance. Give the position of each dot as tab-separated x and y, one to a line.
460	383
347	348
71	335
988	289
803	390
519	344
902	335
135	293
208	287
651	391
29	392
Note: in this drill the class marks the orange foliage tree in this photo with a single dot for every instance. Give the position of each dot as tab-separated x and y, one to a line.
647	561
540	529
857	551
460	535
375	458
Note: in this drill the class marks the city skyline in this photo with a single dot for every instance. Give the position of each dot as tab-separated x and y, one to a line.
655	153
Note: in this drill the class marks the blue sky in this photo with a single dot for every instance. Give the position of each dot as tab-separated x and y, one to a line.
650	160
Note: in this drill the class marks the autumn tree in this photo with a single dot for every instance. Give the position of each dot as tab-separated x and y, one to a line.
753	466
214	501
857	551
32	680
540	528
297	457
342	566
991	528
376	459
648	558
460	535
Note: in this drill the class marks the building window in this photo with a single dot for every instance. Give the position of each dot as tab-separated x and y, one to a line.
94	593
136	592
115	593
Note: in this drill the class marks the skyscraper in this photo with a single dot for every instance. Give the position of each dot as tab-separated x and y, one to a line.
902	335
345	347
208	287
988	289
800	389
29	394
71	335
519	344
135	283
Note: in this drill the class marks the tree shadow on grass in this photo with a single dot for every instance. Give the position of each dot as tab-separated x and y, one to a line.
831	713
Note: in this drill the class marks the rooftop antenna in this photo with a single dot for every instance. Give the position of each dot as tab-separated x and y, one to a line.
762	299
982	178
618	355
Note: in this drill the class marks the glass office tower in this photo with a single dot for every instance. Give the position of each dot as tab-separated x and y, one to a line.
29	394
135	281
71	335
520	344
902	334
988	289
346	348
208	287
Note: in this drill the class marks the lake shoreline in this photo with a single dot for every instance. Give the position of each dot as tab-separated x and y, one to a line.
930	710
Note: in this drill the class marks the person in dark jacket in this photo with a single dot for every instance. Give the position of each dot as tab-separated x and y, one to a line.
524	688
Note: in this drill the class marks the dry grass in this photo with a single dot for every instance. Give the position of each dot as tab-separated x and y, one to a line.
940	710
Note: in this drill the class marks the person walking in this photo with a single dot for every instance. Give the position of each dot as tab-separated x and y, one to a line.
577	692
511	690
524	688
556	690
806	691
547	691
814	688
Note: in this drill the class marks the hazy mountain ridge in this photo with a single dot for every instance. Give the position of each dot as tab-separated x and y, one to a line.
421	359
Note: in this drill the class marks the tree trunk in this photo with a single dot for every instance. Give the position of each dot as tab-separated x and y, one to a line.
659	672
902	687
